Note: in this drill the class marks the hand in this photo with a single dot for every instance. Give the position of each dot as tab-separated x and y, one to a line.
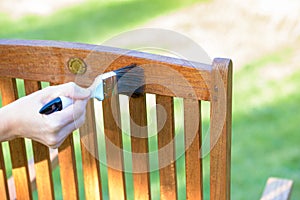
22	117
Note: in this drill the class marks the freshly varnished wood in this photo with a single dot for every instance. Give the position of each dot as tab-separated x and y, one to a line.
89	152
220	129
17	146
114	148
48	61
42	161
139	147
193	159
166	155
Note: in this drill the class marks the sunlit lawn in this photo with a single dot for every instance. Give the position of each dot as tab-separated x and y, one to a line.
265	110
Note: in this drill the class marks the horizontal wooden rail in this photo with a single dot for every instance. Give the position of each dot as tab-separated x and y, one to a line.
49	60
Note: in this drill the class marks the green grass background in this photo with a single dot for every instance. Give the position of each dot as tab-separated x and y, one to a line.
265	111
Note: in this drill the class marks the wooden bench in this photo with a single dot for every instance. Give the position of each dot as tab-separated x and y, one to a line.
167	78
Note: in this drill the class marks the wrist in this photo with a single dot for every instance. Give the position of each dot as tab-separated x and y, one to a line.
7	124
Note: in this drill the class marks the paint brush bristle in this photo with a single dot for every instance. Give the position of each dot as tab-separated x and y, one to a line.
130	80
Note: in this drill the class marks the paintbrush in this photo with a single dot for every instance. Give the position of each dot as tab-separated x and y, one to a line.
128	80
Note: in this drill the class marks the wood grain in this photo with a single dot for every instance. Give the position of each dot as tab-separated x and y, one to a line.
3	177
220	129
47	61
42	161
166	149
17	146
193	160
114	148
89	152
139	147
67	166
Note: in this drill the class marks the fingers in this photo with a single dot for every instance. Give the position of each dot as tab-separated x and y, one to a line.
58	138
70	89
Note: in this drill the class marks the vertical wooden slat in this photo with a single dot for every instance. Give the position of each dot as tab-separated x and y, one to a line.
139	147
3	177
67	165
193	161
114	153
220	136
89	151
42	161
166	147
17	146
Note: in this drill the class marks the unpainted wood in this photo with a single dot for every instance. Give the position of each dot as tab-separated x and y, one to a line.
220	129
166	150
114	148
277	189
17	146
139	147
193	159
42	161
89	152
48	61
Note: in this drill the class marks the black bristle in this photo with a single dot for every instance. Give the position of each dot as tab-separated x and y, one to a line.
130	80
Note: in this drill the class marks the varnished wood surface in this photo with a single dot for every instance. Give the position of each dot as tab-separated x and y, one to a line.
48	61
42	161
220	129
139	147
89	152
17	146
166	148
114	148
193	158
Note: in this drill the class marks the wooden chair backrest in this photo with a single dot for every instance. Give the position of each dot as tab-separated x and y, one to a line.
167	78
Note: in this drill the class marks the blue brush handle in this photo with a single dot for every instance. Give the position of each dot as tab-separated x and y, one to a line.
56	104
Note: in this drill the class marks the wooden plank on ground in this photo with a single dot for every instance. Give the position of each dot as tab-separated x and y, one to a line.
42	161
139	147
166	144
114	148
17	146
89	151
193	159
277	189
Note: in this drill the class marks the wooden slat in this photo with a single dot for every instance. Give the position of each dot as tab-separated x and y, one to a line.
47	61
277	189
89	151
3	177
220	129
193	160
114	148
139	147
67	166
17	146
42	161
166	156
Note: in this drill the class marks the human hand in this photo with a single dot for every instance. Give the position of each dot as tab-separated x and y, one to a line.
22	117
